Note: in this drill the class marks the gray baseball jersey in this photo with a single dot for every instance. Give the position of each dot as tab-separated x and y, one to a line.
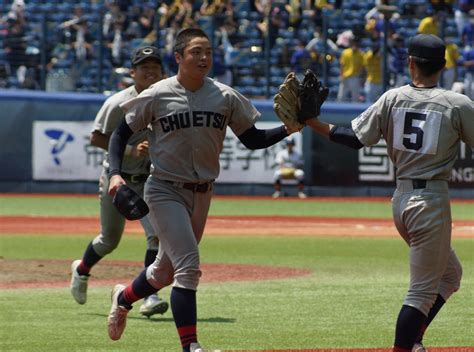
109	117
112	222
187	129
423	128
186	134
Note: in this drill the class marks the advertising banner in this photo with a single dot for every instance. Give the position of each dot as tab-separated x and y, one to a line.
242	165
62	151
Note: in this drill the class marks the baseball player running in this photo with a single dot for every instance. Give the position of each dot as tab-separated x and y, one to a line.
146	70
187	116
423	126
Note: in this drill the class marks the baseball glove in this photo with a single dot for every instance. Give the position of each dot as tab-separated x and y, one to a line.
286	102
129	203
311	96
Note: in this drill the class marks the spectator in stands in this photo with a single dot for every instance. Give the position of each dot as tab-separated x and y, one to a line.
82	41
295	11
4	73
373	68
219	68
289	166
315	11
442	5
186	14
276	21
15	45
146	20
316	44
344	39
398	60
430	24
301	59
468	57
116	43
213	7
461	15
17	11
261	6
467	37
30	81
111	17
166	12
71	26
352	63
169	61
450	72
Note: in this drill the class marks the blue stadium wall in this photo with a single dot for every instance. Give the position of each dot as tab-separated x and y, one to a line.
331	169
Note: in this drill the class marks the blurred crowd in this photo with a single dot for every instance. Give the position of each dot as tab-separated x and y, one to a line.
87	41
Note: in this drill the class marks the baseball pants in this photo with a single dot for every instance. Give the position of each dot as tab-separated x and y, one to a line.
349	85
178	216
423	219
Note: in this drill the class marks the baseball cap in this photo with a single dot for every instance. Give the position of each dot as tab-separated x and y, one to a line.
145	52
427	46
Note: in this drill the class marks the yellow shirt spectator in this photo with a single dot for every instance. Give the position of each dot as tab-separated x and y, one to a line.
352	62
320	4
428	25
373	66
452	55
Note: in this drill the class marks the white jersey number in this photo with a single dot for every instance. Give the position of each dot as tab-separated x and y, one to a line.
416	131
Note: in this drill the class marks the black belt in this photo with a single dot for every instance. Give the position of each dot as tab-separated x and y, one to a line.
195	187
418	184
137	178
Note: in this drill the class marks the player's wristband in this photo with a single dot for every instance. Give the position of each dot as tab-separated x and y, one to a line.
113	173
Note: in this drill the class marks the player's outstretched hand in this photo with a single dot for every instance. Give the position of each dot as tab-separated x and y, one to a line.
311	96
286	103
114	183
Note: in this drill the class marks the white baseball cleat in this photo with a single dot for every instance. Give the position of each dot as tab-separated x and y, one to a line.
302	195
118	315
276	194
78	283
153	305
195	347
418	347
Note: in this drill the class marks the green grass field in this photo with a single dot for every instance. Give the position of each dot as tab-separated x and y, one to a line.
351	300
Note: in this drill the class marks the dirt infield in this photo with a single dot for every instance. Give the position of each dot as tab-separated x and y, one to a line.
55	273
229	225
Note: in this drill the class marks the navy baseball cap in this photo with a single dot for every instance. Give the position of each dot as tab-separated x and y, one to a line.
145	52
427	46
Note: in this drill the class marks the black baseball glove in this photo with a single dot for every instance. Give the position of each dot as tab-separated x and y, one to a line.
311	96
129	203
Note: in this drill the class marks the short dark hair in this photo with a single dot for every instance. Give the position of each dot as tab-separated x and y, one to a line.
185	36
428	67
